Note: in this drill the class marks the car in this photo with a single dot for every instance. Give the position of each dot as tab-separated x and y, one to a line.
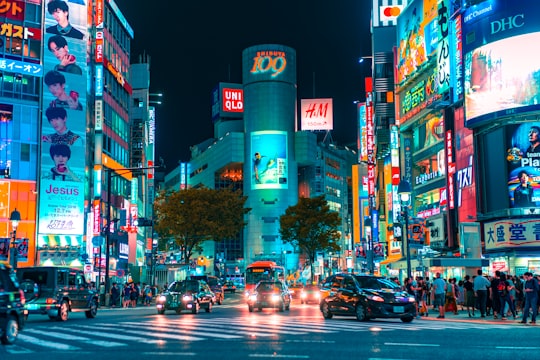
366	297
296	290
310	293
229	286
191	295
57	291
269	294
13	313
215	286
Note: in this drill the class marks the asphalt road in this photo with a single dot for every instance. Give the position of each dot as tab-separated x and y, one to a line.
230	332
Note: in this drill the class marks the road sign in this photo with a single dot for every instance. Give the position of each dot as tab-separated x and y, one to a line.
97	241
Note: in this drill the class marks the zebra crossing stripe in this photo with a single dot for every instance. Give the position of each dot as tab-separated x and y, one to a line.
45	343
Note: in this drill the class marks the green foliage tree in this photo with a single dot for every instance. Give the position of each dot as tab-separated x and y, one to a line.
311	226
195	215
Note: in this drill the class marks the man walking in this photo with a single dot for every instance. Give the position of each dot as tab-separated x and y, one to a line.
439	290
530	288
480	287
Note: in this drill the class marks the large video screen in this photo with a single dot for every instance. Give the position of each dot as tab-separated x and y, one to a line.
501	79
63	131
269	160
523	156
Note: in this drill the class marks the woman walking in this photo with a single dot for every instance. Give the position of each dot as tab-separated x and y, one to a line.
470	300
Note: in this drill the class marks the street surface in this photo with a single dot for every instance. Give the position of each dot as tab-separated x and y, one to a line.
231	332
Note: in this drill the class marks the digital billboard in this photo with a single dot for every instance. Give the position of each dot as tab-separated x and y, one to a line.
63	132
523	157
316	114
269	160
500	77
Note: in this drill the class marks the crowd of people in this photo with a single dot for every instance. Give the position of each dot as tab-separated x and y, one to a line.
499	295
128	295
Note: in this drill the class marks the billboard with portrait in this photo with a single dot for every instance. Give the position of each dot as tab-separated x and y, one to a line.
269	160
62	175
501	79
523	157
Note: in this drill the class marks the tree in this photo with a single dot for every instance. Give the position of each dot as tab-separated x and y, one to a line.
312	226
195	215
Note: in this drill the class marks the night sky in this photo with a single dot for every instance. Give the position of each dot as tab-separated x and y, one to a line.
194	45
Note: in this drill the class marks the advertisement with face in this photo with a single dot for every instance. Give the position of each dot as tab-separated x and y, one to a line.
269	160
63	132
523	156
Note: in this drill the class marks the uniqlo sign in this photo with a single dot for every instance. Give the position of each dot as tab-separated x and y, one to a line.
232	100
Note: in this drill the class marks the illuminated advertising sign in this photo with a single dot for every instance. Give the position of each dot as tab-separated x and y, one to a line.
512	233
388	13
117	75
269	63
99	47
20	67
269	160
523	157
227	101
499	73
465	183
99	115
443	47
451	169
99	14
12	9
19	32
316	114
417	37
63	149
457	59
99	80
362	136
419	96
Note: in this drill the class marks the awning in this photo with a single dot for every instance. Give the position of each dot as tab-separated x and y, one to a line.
390	260
53	241
459	262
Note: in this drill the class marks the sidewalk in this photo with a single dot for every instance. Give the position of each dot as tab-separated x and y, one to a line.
463	316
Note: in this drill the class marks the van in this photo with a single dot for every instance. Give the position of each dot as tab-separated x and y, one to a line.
57	291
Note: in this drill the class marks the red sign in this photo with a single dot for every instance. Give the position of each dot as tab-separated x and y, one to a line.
99	14
12	9
99	46
451	169
233	100
97	219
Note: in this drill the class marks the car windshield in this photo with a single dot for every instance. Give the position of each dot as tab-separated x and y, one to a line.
183	286
269	286
311	287
376	283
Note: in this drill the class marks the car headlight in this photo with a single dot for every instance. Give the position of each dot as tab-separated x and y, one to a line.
275	297
318	295
303	295
187	297
412	299
162	298
375	298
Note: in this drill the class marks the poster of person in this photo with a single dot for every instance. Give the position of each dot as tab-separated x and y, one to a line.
523	157
269	160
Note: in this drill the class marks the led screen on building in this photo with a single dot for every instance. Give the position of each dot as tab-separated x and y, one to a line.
501	76
523	157
269	160
62	176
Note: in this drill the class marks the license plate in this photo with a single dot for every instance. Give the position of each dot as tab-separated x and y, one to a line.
173	304
399	309
32	306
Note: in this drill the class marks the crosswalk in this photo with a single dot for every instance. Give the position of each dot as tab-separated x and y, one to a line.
78	337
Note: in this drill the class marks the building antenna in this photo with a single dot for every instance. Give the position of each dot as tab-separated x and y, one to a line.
314	85
229	79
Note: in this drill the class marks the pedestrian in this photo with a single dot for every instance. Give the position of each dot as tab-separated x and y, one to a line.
504	288
147	295
530	289
469	299
133	295
460	293
126	295
439	289
451	304
494	294
411	290
480	286
115	295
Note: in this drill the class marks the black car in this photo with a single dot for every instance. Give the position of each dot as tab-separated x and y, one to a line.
56	291
12	311
183	295
215	286
366	297
269	294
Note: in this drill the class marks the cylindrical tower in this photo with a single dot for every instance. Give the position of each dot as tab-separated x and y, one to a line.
270	168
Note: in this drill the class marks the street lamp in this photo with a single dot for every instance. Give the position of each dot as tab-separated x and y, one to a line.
15	218
404	192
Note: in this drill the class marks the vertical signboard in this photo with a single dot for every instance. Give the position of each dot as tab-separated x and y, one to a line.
62	172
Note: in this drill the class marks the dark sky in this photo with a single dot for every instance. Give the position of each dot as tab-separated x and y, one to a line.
194	45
